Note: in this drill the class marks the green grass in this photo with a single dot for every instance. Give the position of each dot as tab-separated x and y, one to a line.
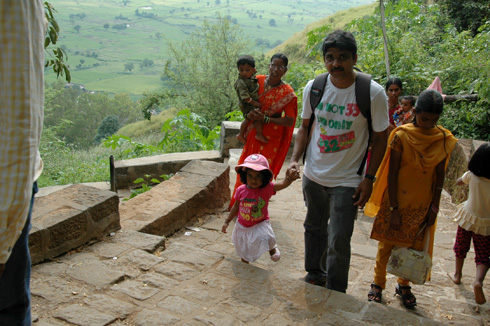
145	127
114	48
122	83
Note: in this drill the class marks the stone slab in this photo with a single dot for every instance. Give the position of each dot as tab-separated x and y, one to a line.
95	273
144	241
200	188
84	316
68	218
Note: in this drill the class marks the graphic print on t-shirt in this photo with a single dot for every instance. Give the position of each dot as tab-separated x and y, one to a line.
251	209
336	143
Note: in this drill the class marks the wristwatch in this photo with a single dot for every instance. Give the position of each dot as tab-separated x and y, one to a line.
392	208
370	177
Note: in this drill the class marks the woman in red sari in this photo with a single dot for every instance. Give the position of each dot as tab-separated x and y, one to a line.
278	111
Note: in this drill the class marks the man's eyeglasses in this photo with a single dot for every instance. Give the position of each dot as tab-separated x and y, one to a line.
282	68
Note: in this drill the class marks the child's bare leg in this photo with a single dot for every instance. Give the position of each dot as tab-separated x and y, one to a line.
259	136
244	261
458	272
243	127
481	271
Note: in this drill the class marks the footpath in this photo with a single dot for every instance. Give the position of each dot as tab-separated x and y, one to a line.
195	278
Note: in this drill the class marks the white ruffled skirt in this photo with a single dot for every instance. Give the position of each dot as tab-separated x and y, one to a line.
250	243
470	222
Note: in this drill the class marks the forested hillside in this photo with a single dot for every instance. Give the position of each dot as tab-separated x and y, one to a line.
424	41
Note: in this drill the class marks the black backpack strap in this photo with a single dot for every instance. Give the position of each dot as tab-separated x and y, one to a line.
363	99
316	94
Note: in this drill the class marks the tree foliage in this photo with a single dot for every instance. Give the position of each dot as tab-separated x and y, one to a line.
57	56
201	73
75	115
108	127
468	15
188	132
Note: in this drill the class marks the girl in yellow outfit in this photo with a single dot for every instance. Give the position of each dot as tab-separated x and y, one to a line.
408	189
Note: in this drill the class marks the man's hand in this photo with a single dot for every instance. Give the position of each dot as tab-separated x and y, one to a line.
363	192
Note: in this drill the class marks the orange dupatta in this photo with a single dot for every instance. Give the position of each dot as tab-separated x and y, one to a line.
422	148
277	102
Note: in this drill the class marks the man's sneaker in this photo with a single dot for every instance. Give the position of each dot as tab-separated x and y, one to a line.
319	282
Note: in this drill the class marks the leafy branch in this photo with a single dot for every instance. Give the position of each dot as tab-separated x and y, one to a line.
58	55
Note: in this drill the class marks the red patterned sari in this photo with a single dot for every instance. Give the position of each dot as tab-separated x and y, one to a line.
277	102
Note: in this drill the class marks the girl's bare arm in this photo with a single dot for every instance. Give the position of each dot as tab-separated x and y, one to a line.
231	216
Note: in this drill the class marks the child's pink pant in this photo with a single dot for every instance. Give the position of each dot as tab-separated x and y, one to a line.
481	243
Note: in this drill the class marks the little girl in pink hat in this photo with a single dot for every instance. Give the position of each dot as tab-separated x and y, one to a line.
253	235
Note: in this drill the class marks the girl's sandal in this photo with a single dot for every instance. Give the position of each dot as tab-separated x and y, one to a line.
408	299
373	295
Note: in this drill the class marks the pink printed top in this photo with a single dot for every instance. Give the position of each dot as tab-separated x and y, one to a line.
254	204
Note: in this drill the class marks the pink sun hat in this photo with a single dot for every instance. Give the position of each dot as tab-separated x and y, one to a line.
255	162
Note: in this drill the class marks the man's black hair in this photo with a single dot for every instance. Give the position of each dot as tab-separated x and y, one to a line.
341	40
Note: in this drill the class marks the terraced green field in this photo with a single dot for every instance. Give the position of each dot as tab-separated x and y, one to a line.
102	36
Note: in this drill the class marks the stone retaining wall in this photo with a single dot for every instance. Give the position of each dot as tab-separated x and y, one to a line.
127	171
70	217
198	188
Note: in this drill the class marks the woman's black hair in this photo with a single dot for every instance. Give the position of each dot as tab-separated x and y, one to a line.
281	56
393	81
429	101
266	176
480	161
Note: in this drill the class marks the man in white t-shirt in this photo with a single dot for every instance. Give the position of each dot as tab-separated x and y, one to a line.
332	188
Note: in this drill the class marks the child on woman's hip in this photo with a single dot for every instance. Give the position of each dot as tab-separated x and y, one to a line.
247	89
253	234
473	218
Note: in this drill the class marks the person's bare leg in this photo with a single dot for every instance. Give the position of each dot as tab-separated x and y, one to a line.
481	271
243	127
458	271
259	136
244	261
